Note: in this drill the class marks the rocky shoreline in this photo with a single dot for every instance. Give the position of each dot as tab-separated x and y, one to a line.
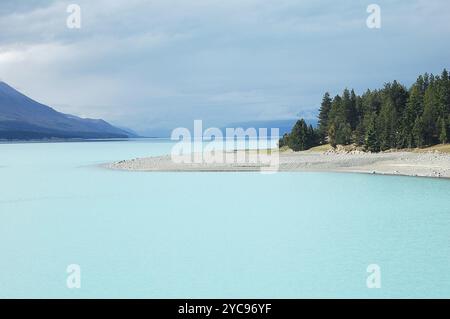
431	164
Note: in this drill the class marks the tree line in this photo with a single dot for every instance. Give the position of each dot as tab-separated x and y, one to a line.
393	117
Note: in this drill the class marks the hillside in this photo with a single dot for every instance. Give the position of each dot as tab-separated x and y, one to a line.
22	118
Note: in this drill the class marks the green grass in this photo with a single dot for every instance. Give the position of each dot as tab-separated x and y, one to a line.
442	148
321	148
284	149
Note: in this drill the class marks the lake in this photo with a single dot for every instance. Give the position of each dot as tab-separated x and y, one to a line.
212	235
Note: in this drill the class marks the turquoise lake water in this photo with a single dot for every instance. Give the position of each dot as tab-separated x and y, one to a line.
212	235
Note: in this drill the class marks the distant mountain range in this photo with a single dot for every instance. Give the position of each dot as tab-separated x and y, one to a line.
22	118
285	126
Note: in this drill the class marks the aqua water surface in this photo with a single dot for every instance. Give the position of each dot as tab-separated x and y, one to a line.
212	235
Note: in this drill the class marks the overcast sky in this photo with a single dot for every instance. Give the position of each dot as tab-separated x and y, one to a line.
159	64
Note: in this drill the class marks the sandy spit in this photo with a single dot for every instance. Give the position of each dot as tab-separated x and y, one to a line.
394	163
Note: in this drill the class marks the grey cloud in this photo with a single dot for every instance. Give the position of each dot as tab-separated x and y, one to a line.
166	62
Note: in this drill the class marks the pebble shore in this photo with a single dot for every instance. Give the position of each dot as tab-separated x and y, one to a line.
431	164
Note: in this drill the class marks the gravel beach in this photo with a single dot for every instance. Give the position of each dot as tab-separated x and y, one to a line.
432	164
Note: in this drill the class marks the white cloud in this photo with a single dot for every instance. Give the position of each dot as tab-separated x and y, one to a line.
166	62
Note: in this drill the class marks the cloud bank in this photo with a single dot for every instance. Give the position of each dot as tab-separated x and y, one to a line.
156	65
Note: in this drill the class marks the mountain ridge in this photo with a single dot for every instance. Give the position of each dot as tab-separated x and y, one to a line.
22	118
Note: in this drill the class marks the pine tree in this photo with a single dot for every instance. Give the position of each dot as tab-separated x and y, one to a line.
349	107
387	125
324	111
392	117
332	135
284	141
371	141
430	115
353	112
413	110
340	131
359	134
444	94
344	133
418	132
312	137
443	135
301	138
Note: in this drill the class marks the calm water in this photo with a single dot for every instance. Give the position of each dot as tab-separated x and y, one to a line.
194	235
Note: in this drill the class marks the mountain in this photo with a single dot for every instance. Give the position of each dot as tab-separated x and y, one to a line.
22	118
285	126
